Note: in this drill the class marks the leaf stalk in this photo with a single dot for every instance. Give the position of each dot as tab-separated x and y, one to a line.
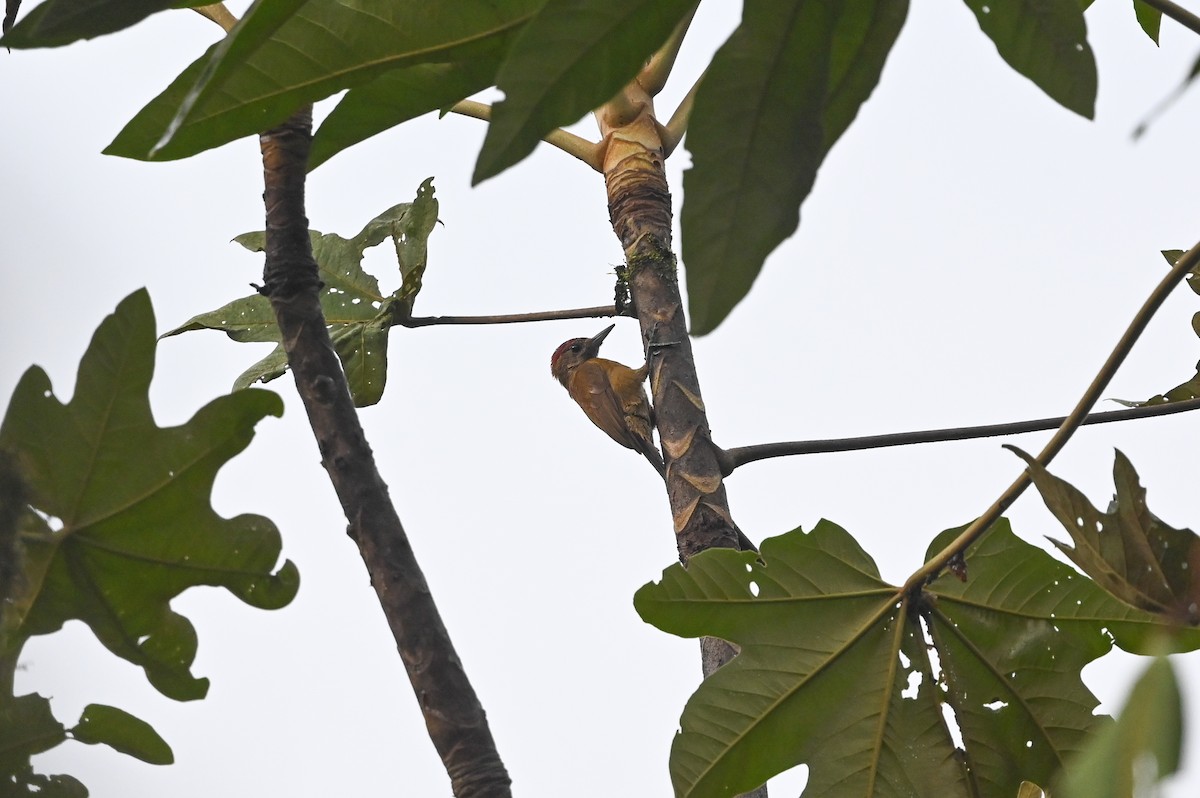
983	523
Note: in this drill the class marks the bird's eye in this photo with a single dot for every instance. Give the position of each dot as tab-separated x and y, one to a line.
575	347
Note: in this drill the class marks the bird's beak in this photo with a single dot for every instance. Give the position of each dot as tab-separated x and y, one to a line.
592	347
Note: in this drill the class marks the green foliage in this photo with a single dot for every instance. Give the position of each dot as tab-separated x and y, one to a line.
1116	764
359	316
1046	41
395	97
833	669
27	728
58	22
118	524
1149	18
777	96
1127	550
286	53
122	732
571	58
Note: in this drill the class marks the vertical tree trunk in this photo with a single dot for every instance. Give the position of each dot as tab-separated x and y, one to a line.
453	715
639	207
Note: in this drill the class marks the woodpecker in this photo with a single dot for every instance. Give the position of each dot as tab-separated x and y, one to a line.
610	394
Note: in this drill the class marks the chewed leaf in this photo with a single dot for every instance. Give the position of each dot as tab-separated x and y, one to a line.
1143	747
358	314
834	669
1127	550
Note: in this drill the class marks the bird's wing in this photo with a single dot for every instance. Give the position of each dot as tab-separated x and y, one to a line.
592	391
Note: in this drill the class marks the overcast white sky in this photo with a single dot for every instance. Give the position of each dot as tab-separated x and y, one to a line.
970	254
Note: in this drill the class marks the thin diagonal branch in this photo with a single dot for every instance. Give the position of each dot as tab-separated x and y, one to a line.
589	152
654	75
600	311
219	14
672	132
453	715
731	459
1092	395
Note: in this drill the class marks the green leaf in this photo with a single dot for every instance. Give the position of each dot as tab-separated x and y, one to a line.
1127	550
1142	748
571	58
833	671
58	22
778	94
862	39
396	97
286	53
141	133
1149	18
131	525
358	314
123	732
1046	41
11	7
27	727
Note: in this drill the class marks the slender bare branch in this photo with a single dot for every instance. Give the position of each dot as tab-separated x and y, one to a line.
600	311
589	152
1092	395
731	459
219	14
653	76
1176	12
672	132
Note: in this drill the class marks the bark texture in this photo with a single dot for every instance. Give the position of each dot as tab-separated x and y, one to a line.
639	207
456	721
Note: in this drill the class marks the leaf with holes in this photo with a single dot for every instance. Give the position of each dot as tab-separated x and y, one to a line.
833	669
1046	41
116	728
358	314
1127	550
1143	747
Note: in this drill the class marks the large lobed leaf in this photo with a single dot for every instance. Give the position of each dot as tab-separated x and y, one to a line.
1143	747
131	526
286	53
358	314
776	97
1128	550
833	670
571	58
